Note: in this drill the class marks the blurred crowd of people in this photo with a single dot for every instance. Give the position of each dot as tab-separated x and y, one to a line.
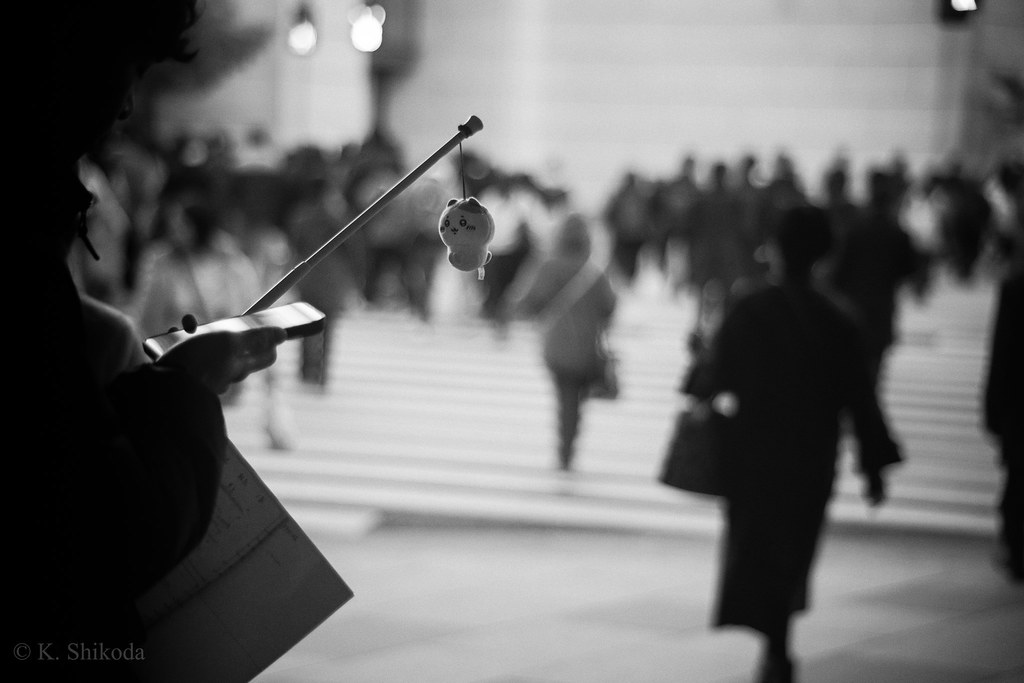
704	227
708	222
204	227
128	454
204	200
707	235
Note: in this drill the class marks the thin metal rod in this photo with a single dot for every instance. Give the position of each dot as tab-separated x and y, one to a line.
471	126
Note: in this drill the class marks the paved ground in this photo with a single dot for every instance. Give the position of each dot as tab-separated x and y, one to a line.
470	562
504	605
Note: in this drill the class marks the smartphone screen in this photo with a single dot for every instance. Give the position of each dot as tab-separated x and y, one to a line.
298	319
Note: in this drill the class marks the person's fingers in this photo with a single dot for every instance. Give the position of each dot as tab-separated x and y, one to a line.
266	338
257	349
261	341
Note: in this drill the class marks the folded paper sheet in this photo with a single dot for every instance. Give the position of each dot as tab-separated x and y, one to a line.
254	587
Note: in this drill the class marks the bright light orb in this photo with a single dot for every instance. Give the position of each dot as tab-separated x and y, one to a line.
302	38
367	27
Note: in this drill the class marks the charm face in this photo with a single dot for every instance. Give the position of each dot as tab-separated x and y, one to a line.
466	228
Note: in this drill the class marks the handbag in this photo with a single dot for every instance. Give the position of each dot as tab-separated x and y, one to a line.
605	385
694	459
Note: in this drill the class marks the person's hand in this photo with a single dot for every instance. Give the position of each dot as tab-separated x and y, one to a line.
219	359
874	489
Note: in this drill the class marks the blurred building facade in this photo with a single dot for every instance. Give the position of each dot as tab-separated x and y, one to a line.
582	90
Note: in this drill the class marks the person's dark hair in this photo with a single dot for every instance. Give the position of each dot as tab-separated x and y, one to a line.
142	32
92	53
881	192
803	237
836	181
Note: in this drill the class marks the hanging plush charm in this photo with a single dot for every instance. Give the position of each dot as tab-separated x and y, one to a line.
466	228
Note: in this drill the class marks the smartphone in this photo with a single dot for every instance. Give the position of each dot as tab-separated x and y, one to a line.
298	319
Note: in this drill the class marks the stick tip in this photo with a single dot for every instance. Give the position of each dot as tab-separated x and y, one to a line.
472	125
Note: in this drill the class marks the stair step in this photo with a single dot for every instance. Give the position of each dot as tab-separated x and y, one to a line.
446	424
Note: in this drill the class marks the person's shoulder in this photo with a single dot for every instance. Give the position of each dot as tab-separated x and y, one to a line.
759	295
835	310
757	302
96	309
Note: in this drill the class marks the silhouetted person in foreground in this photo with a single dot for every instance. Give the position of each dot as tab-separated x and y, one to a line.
118	469
1004	405
793	366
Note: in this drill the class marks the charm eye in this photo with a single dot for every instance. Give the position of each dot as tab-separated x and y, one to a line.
462	222
447	222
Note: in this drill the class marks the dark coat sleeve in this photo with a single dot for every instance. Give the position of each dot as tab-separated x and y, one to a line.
178	439
112	488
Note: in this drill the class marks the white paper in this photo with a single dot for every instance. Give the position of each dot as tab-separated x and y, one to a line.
253	588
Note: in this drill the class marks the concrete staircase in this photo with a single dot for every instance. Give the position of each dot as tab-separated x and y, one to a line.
448	423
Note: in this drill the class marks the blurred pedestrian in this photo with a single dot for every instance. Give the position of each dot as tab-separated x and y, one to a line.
627	217
787	366
389	236
317	215
574	299
721	259
784	189
514	243
671	200
965	220
843	212
252	216
750	192
193	265
874	262
425	200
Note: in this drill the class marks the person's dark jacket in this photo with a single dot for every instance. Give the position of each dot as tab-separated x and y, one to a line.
795	365
109	487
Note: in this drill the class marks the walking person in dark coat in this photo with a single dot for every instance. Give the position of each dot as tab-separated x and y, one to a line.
792	363
721	258
628	220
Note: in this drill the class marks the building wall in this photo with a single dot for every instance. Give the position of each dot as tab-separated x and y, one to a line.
321	99
582	90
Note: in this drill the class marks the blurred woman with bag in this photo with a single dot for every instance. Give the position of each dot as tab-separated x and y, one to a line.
575	300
